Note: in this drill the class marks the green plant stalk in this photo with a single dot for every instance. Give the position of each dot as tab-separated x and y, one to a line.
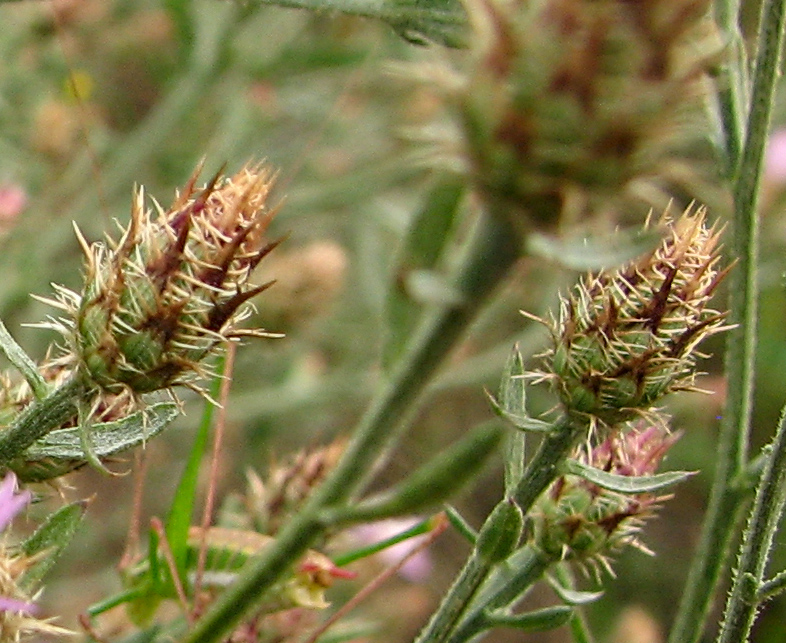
508	584
40	418
757	543
733	94
442	21
456	601
726	503
493	250
544	466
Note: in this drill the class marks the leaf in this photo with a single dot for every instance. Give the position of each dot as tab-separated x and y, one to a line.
461	525
425	243
108	437
522	422
180	513
624	484
49	540
540	620
573	596
595	253
432	483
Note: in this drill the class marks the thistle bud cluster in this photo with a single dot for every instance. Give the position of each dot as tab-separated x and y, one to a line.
172	289
627	337
578	520
572	108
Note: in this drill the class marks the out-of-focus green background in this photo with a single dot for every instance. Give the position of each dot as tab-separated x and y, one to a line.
330	102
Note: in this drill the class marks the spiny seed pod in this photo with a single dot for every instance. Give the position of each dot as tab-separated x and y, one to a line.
627	337
572	108
578	520
157	302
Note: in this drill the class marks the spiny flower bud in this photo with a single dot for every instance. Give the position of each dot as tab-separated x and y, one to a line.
578	520
627	337
161	299
572	108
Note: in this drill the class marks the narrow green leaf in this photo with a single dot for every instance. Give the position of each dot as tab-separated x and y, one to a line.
422	249
49	540
61	451
23	363
431	484
521	422
624	484
419	529
182	509
595	253
461	525
540	620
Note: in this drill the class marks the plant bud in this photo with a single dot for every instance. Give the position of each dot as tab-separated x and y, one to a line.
627	337
165	296
578	520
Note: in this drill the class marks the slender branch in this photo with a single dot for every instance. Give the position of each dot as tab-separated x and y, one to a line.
765	517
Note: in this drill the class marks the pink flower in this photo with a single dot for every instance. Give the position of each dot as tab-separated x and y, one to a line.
418	567
775	158
13	200
11	502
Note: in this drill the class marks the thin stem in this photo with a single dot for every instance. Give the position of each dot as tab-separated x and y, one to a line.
543	468
506	585
493	251
765	516
726	504
40	418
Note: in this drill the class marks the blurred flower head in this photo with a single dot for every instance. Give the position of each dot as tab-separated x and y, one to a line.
572	109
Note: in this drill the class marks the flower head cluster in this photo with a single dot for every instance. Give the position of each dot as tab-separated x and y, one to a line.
578	107
18	610
164	296
627	337
577	520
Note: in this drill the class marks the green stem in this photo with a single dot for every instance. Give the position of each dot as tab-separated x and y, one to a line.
456	601
544	466
756	546
493	251
40	418
726	504
506	585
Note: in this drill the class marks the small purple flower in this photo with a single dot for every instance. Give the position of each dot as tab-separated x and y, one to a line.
11	502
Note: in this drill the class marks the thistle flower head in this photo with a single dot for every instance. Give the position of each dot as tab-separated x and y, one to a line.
164	296
578	520
572	108
627	337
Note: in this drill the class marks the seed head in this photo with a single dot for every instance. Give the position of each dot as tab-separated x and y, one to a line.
627	337
166	295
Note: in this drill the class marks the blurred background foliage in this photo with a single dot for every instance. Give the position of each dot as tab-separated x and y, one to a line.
98	95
